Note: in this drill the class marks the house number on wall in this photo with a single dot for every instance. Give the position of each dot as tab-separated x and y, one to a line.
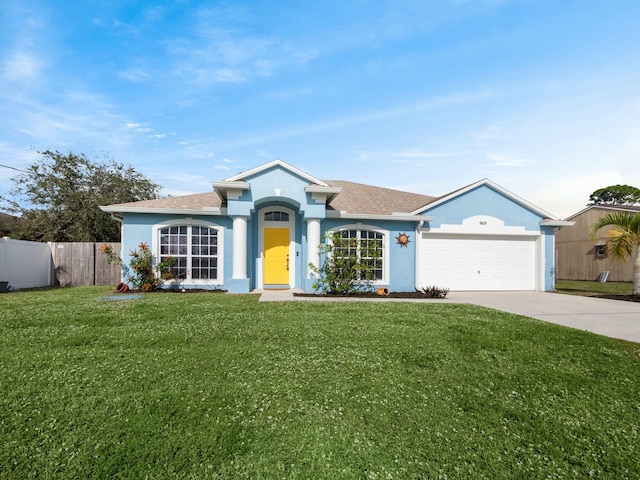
483	222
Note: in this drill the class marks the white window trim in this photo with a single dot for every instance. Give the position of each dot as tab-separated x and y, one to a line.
386	250
189	222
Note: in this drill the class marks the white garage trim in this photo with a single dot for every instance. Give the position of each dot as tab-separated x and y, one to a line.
481	253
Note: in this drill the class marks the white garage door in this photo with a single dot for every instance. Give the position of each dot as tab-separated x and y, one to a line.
477	262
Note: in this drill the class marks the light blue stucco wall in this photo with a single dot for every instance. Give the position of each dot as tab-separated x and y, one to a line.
402	260
290	187
550	259
138	228
484	200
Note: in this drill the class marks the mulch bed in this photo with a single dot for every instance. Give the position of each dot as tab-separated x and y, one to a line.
178	290
626	298
366	295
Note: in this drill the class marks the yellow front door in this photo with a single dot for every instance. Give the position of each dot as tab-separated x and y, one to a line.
276	256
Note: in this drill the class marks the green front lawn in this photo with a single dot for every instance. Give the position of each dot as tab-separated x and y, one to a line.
590	289
221	386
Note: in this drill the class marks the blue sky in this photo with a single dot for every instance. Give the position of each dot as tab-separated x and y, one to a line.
541	97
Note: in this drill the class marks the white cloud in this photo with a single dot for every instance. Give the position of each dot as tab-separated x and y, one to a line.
507	161
134	75
22	67
224	48
340	123
417	154
292	93
208	76
154	14
141	128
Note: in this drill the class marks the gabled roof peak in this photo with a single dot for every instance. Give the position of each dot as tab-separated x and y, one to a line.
494	186
276	163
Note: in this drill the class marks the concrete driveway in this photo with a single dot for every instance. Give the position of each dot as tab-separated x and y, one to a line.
612	318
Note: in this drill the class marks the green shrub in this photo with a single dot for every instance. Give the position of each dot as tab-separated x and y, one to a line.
348	267
434	292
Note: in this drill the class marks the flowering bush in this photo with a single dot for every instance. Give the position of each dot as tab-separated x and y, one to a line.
147	274
112	257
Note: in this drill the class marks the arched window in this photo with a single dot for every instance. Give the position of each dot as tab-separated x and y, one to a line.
195	249
276	216
367	246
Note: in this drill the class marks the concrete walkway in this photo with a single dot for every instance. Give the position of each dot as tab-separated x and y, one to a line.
276	295
611	318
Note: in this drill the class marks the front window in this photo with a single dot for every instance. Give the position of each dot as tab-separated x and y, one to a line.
194	250
366	247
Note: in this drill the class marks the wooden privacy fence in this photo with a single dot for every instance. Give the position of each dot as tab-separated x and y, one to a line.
82	263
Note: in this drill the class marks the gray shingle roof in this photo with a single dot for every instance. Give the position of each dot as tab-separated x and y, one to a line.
195	201
361	198
355	198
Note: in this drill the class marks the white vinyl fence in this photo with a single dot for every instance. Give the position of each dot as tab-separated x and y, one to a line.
25	264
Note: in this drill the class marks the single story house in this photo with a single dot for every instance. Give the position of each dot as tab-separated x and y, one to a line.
581	257
262	228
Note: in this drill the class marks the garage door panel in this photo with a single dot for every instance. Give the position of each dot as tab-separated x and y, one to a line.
478	263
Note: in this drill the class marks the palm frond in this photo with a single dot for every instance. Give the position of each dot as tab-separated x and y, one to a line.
620	243
624	234
629	221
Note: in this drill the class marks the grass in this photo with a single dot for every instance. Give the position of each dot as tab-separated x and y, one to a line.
221	386
584	288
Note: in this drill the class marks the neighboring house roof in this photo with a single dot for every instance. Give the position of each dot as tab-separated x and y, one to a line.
6	218
612	208
6	221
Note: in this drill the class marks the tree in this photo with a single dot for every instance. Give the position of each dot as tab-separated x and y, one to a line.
622	237
58	197
615	195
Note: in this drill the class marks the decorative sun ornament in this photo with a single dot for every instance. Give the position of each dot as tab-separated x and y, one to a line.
403	239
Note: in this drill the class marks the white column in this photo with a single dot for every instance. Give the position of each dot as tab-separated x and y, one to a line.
313	243
239	247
